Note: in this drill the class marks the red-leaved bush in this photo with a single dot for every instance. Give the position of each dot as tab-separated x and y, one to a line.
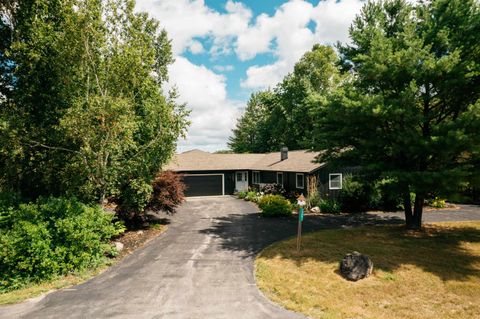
168	192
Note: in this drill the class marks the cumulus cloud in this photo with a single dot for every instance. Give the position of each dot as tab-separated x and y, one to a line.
188	19
286	34
213	114
288	27
196	47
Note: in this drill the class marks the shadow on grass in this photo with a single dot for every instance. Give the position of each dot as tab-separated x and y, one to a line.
439	251
250	233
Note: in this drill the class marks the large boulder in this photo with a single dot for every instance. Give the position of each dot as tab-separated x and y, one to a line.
356	266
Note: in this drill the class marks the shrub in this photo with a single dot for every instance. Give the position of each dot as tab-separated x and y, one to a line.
242	195
292	196
437	203
388	197
354	197
272	189
330	206
134	196
313	200
9	199
54	236
275	205
252	197
168	192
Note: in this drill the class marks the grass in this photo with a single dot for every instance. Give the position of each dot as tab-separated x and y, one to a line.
430	274
131	241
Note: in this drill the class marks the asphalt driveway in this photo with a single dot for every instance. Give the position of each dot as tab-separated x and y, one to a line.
202	267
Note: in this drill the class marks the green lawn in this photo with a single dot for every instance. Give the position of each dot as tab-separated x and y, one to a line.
432	274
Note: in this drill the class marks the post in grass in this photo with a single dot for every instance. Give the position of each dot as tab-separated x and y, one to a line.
301	201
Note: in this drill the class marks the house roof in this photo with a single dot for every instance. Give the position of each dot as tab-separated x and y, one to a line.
196	160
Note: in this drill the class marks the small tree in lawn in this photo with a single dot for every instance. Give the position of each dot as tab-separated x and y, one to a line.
411	112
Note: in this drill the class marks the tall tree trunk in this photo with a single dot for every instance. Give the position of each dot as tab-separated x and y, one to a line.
418	211
407	206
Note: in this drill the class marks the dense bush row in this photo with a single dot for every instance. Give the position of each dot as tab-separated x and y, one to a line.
51	237
357	197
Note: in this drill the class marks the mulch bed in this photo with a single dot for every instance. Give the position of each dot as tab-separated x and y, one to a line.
134	239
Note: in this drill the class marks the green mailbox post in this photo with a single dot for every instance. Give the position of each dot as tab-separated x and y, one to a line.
301	201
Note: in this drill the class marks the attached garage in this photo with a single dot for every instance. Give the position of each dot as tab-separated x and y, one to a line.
204	184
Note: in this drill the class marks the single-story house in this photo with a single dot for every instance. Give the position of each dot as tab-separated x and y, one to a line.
208	174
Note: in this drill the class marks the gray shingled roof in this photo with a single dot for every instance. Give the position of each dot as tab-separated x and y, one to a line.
196	160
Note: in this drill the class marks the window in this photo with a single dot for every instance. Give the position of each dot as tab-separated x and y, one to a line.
256	177
299	180
239	177
335	181
280	178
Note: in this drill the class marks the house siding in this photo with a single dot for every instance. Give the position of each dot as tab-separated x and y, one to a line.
323	178
289	179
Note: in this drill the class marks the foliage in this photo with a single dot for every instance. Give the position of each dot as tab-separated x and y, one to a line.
93	117
9	199
252	196
275	205
286	116
253	133
272	189
242	195
168	192
330	206
401	101
437	202
411	112
52	237
355	197
387	196
313	200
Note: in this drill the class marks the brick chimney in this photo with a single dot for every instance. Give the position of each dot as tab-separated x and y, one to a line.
283	153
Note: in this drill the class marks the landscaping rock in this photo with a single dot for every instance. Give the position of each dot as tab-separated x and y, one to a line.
118	246
315	210
356	266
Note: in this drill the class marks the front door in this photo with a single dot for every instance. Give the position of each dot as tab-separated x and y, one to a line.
241	181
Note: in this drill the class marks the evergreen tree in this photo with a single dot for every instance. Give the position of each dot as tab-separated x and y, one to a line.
412	112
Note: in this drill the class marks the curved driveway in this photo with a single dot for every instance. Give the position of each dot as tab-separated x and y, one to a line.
202	267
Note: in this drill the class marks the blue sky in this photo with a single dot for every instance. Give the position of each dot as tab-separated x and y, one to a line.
227	49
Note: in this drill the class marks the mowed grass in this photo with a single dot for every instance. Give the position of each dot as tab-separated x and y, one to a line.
430	274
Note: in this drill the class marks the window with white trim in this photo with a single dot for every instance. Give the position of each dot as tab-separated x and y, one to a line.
299	180
239	176
255	177
280	178
335	181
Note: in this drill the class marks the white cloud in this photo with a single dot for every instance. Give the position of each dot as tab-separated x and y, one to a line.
288	27
195	47
285	35
213	114
187	19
